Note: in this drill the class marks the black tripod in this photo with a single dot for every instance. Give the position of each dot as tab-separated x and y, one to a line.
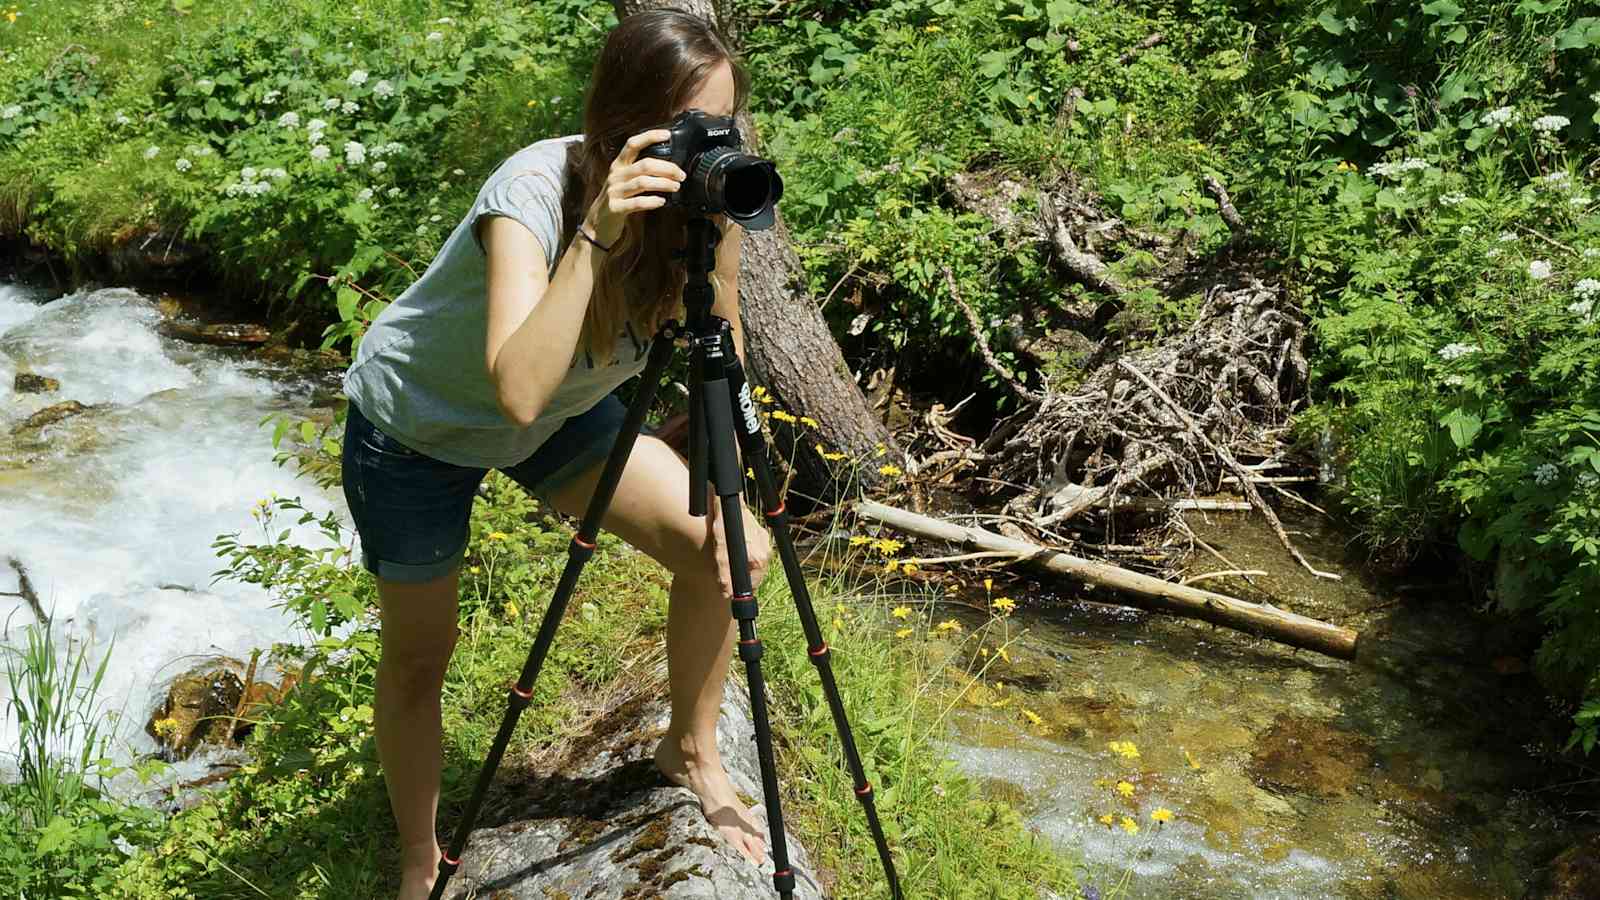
720	411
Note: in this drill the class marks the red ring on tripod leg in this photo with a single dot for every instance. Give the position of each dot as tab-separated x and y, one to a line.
452	862
582	543
819	650
778	511
864	790
518	691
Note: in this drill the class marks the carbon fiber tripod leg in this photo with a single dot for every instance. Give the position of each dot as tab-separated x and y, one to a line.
754	445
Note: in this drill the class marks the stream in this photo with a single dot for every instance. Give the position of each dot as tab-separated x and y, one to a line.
111	512
1410	773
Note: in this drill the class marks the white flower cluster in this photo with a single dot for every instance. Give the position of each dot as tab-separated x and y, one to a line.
1454	198
271	96
314	129
1546	474
349	107
435	37
320	152
252	183
289	120
1507	237
394	192
1587	291
1456	351
1539	269
1591	253
1588	480
121	119
331	103
1555	181
379	166
1551	124
364	195
1387	170
152	153
1502	117
355	153
205	84
357	78
198	150
389	149
183	165
384	89
12	111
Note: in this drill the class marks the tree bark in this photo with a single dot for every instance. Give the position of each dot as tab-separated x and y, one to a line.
788	347
1137	589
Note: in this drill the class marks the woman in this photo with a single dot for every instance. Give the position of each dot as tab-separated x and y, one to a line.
503	355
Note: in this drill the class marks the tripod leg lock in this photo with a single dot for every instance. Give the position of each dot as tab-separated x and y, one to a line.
744	606
783	880
580	549
819	654
750	650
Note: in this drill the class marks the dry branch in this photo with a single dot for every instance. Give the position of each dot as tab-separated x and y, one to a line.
1142	591
25	591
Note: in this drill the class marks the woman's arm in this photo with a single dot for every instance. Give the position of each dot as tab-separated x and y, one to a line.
534	319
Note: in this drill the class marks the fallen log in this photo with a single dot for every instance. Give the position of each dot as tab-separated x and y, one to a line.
1142	591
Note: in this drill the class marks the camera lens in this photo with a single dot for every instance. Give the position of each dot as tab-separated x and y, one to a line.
746	187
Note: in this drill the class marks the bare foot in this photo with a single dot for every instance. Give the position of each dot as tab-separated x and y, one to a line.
704	774
416	878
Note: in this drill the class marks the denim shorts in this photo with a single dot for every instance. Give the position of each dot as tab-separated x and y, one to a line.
412	511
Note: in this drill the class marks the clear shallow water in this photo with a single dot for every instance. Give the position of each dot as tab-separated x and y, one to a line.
112	512
1410	773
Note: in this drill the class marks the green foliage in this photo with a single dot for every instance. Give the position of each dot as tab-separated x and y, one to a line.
58	832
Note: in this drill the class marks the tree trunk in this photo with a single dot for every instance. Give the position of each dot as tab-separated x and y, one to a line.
788	348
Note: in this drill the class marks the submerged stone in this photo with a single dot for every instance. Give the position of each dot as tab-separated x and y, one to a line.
1309	756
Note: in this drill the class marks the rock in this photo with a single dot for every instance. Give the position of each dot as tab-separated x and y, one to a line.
1309	756
50	415
602	823
28	383
197	708
225	334
1575	874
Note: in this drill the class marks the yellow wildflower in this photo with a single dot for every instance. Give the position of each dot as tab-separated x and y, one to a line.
808	421
891	470
1004	604
1129	825
164	727
908	569
783	416
472	569
532	103
1001	703
880	450
890	565
902	632
498	535
857	540
823	452
1032	717
887	546
1124	749
900	612
838	623
1003	654
950	625
932	29
1162	815
1107	819
988	584
1125	789
1193	763
762	395
511	610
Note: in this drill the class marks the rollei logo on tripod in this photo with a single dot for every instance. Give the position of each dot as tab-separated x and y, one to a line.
749	407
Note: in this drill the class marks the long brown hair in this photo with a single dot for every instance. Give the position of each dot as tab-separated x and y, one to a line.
651	64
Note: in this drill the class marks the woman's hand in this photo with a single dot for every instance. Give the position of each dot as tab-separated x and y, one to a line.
629	178
758	546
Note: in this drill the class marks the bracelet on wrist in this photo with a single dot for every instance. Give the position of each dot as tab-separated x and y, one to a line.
591	239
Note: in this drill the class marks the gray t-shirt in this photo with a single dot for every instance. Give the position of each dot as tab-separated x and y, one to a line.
420	374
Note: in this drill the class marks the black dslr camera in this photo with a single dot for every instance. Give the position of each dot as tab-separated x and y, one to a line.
721	178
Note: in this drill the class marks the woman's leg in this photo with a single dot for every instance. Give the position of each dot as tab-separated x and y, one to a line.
419	634
650	510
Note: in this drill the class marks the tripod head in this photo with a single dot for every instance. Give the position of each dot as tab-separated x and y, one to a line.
700	257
